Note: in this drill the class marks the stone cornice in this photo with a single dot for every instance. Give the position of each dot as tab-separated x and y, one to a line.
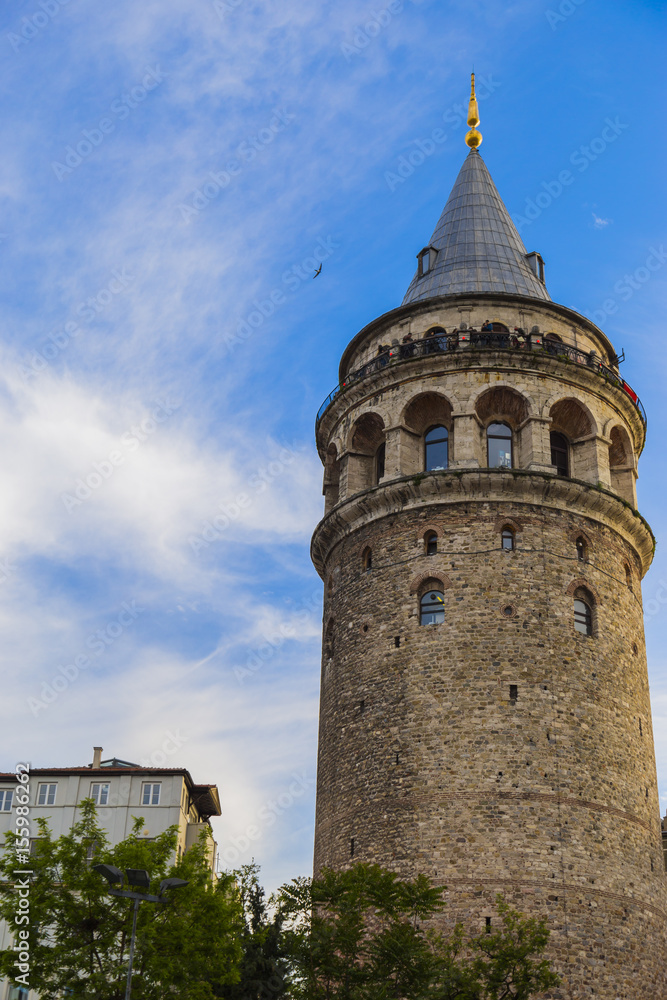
454	486
485	359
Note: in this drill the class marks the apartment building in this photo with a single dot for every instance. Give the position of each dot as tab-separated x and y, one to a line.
122	791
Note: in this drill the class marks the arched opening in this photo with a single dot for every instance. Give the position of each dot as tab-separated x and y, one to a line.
581	546
365	459
436	448
583	611
499	446
431	603
560	453
507	538
621	464
628	576
502	411
367	559
331	488
553	343
431	543
427	415
571	421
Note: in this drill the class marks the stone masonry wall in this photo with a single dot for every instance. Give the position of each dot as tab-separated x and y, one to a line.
427	764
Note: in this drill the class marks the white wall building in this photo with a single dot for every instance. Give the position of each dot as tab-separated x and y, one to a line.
162	796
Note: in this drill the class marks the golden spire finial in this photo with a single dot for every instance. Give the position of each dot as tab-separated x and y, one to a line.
473	138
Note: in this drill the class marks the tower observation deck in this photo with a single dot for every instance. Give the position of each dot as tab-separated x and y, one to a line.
485	713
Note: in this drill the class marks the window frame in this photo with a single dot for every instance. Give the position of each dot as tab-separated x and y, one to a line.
563	449
432	604
152	785
47	795
584	618
441	440
499	437
101	785
7	799
507	531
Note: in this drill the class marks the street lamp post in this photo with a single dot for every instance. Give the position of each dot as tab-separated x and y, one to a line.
136	877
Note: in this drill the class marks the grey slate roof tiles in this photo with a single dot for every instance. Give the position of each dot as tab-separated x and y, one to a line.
479	248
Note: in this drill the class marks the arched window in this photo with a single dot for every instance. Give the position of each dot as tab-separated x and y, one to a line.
628	576
583	613
507	538
560	453
367	559
582	549
432	608
436	445
379	463
430	543
499	446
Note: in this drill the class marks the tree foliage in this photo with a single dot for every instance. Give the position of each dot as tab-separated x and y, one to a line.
79	934
265	965
365	934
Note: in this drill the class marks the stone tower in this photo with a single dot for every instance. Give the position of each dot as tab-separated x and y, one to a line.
485	712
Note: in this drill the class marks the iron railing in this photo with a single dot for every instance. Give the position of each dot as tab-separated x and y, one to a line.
469	339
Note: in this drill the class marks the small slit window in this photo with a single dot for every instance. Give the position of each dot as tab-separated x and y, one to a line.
507	539
628	577
367	560
499	446
583	616
431	543
436	447
432	608
582	549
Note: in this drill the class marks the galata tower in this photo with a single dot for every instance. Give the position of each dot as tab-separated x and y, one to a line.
485	712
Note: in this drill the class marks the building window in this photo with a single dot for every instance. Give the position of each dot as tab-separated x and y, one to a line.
426	258
6	796
91	849
583	616
99	794
560	453
507	538
46	795
432	608
499	446
379	463
367	560
18	993
150	794
582	549
436	444
431	543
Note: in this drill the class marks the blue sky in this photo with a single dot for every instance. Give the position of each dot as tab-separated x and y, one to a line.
168	171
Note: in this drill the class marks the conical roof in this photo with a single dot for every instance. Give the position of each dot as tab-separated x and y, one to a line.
479	248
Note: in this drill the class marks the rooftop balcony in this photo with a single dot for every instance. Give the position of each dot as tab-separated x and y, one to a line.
473	340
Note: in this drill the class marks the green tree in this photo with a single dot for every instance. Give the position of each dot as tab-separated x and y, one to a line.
79	934
363	934
265	966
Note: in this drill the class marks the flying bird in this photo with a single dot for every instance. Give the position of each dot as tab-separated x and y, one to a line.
317	272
